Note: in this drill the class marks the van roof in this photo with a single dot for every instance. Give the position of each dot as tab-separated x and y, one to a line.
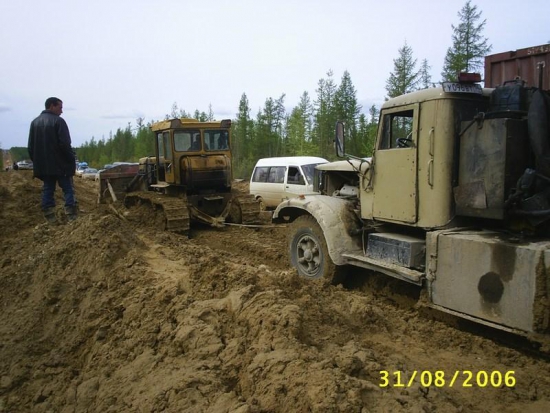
290	160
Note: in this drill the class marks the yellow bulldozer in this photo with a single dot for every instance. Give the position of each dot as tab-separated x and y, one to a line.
189	179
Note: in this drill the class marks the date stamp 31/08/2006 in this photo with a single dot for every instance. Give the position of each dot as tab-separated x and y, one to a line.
439	378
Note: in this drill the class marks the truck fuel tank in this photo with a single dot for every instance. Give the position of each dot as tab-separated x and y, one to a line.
490	276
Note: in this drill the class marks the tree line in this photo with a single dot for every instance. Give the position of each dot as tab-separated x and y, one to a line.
308	128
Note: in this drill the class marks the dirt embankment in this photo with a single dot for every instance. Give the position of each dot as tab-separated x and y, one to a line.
113	315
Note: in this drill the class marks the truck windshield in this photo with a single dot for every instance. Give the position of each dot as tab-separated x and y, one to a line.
309	170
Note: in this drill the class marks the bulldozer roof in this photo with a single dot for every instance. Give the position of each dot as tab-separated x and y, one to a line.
189	123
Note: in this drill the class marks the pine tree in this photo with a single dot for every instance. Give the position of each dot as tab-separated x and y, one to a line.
347	110
177	113
469	46
263	146
279	126
241	145
145	140
424	75
298	129
404	78
325	116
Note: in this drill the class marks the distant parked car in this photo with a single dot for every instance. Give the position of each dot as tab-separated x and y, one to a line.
89	173
24	165
80	170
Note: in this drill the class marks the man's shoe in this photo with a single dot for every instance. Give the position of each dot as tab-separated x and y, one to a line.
71	212
49	214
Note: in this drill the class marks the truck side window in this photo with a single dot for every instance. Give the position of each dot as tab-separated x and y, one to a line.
397	129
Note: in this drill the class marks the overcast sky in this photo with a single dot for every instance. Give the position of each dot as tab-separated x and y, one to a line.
112	61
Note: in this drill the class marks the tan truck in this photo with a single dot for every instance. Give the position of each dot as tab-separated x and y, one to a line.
456	199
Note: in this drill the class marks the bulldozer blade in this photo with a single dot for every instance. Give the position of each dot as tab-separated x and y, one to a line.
114	183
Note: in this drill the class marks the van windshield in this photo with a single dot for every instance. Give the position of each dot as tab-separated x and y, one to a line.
309	170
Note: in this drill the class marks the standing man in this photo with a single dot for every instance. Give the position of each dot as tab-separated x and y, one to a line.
53	158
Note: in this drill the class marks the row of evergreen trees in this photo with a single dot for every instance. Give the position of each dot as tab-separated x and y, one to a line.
308	129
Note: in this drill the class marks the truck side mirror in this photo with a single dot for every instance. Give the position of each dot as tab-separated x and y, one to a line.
339	139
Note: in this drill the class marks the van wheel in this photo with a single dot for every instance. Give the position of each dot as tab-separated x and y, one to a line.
261	202
309	252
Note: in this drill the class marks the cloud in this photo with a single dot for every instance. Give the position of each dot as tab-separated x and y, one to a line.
5	108
134	114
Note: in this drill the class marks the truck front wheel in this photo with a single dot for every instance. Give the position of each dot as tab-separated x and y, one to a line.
309	252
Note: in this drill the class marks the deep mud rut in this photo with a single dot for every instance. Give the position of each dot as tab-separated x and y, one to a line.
111	314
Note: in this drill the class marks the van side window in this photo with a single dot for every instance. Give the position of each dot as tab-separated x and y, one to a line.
260	174
276	174
294	176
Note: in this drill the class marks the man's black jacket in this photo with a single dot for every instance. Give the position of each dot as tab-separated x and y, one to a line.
50	146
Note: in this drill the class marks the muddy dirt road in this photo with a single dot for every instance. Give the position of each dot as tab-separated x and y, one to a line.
110	314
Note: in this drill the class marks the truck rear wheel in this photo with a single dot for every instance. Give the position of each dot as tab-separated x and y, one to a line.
309	252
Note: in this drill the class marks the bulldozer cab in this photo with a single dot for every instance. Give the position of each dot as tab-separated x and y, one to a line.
193	154
189	177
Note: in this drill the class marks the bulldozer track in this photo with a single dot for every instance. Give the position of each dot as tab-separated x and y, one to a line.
250	209
176	213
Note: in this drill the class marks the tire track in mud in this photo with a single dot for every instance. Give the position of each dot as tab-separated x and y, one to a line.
256	246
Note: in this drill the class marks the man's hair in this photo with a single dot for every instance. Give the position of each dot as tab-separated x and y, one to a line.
52	102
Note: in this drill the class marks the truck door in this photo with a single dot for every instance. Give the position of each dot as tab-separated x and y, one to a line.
395	165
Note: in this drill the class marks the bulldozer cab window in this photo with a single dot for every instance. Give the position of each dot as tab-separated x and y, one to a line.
397	130
167	146
163	147
160	145
188	140
216	140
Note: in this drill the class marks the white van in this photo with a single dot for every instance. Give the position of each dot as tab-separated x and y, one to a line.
276	179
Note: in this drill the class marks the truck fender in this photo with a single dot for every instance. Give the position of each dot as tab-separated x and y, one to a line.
336	217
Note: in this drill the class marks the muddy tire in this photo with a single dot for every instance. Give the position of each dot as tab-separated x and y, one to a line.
309	252
262	203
